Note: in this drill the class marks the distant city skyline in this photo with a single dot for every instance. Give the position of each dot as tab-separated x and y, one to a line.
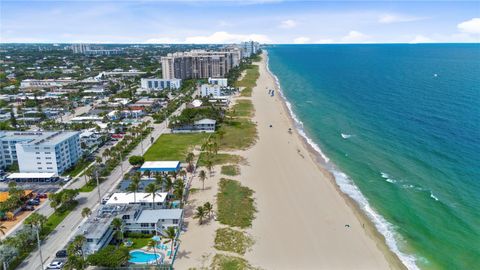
267	21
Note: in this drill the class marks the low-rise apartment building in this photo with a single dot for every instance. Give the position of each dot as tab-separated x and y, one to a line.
160	84
40	152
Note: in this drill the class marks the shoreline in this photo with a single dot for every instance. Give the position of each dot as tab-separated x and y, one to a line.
322	162
293	190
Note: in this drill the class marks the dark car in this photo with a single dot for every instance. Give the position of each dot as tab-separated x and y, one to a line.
61	254
33	202
42	195
28	208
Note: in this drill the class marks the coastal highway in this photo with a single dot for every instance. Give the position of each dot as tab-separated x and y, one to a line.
67	228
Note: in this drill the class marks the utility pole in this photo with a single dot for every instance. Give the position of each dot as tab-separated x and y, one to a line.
98	188
38	243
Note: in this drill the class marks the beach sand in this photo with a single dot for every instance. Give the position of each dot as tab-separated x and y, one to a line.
303	220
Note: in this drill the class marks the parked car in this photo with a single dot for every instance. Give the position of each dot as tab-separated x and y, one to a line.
67	178
61	254
42	195
55	265
33	202
28	208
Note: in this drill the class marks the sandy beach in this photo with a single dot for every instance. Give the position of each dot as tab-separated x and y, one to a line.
303	220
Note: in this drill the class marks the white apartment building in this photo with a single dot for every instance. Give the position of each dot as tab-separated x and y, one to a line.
48	83
249	48
210	90
99	232
145	200
218	81
160	84
40	152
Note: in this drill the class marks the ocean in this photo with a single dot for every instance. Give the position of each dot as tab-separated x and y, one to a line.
399	128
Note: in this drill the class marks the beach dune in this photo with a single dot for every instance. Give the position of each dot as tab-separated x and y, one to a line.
303	221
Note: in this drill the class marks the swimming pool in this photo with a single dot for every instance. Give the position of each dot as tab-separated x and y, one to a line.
142	257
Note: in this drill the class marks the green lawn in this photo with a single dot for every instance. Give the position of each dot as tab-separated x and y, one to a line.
73	171
225	262
174	146
243	108
230	170
221	158
139	242
88	187
235	204
249	80
238	134
227	239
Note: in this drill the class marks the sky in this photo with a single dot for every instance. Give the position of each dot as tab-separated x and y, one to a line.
265	21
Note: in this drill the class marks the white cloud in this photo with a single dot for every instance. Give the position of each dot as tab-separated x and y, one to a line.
301	40
288	24
163	40
471	26
225	37
421	39
355	36
325	41
396	18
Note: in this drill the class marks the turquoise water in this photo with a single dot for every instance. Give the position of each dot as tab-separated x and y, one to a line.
141	257
400	125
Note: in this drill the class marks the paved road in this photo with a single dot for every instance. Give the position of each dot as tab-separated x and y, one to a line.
65	230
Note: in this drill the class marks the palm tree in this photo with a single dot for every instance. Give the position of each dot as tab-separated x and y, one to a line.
153	244
189	158
209	165
168	184
202	175
2	229
98	160
182	174
134	186
117	225
170	235
86	212
208	207
152	190
200	214
107	152
35	220
178	189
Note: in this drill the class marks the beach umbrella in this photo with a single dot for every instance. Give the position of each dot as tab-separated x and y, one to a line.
156	238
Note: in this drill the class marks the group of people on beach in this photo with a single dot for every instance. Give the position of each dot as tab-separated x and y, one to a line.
271	92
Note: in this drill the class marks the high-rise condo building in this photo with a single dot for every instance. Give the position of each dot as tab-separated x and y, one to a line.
198	64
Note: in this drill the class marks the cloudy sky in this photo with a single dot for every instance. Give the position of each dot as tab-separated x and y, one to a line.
268	21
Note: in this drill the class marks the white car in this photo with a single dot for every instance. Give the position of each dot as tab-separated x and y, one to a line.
55	265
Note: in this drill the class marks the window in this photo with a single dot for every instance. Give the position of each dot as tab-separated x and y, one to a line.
38	153
39	168
49	162
175	221
39	163
47	153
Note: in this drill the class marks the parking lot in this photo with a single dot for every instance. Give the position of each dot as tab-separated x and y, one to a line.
35	187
